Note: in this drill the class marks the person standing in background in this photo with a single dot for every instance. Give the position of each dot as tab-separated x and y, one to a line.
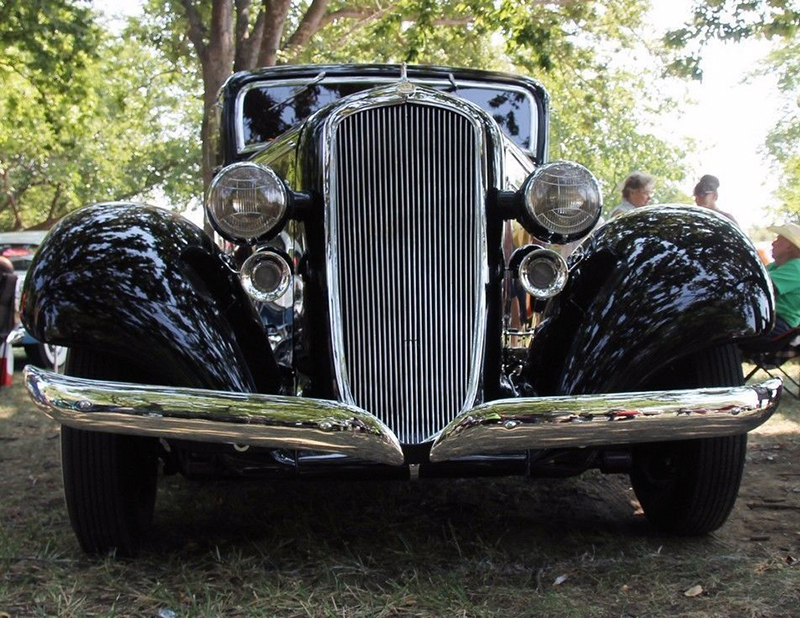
8	286
636	191
705	195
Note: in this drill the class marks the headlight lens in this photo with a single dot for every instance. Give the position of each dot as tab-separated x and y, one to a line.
266	276
562	202
246	201
543	273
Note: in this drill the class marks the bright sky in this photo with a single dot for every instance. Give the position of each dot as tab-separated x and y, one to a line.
729	121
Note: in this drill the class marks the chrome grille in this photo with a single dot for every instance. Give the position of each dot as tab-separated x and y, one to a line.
407	235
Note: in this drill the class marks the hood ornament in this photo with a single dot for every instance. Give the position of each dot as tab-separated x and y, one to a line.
405	87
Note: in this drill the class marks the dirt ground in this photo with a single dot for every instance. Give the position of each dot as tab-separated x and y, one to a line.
378	549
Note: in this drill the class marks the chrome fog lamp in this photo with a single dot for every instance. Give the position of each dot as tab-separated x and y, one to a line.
543	273
247	201
562	202
266	276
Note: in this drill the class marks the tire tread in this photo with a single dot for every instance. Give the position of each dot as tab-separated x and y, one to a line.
109	479
710	468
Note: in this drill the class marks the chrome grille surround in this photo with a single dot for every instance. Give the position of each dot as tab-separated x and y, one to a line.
410	424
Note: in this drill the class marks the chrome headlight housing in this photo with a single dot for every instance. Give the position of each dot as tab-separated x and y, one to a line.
247	202
562	202
543	273
266	276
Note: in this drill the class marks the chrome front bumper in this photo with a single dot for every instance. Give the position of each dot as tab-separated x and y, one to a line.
507	425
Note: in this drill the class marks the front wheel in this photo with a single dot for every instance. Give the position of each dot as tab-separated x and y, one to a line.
109	479
689	487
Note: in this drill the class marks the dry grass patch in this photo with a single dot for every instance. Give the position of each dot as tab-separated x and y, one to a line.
477	547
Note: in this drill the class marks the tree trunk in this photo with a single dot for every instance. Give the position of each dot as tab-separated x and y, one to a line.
224	46
216	61
276	12
11	197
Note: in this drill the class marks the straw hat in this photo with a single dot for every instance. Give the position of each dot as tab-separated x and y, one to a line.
790	231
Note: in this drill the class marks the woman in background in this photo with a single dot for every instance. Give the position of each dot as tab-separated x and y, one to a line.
636	191
705	195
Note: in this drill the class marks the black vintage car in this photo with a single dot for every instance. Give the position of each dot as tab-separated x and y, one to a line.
363	310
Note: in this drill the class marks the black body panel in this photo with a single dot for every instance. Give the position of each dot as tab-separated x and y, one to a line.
147	285
646	289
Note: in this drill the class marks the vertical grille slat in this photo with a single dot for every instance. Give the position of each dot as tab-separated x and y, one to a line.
407	202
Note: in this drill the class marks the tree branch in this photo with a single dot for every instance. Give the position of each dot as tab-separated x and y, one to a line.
54	202
331	17
220	42
197	31
453	21
276	10
364	17
248	44
12	200
242	20
310	24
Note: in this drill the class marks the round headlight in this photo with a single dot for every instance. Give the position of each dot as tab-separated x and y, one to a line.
266	276
543	273
246	201
562	202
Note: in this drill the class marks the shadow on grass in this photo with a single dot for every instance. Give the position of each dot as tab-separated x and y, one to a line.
471	547
396	524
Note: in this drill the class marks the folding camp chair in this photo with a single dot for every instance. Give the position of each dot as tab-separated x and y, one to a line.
773	354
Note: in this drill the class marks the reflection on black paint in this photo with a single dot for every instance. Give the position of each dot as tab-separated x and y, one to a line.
665	282
270	111
259	125
112	277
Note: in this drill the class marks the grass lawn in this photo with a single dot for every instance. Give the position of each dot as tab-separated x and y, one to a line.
476	547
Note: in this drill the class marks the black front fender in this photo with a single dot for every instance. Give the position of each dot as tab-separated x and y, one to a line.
645	290
147	285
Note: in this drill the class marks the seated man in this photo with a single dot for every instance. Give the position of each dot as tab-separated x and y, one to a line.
785	275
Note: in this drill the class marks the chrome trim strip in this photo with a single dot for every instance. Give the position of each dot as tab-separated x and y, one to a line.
272	151
271	421
378	81
623	418
389	96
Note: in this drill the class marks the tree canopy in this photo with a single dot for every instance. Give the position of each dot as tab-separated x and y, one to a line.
783	140
735	20
729	20
568	45
87	126
90	124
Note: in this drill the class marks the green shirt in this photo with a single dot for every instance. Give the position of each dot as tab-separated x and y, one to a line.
786	279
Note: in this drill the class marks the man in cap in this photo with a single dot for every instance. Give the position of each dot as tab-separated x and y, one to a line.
785	275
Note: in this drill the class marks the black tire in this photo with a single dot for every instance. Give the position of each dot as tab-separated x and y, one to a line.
689	487
109	479
44	355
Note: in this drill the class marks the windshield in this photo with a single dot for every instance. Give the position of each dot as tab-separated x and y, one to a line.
268	109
